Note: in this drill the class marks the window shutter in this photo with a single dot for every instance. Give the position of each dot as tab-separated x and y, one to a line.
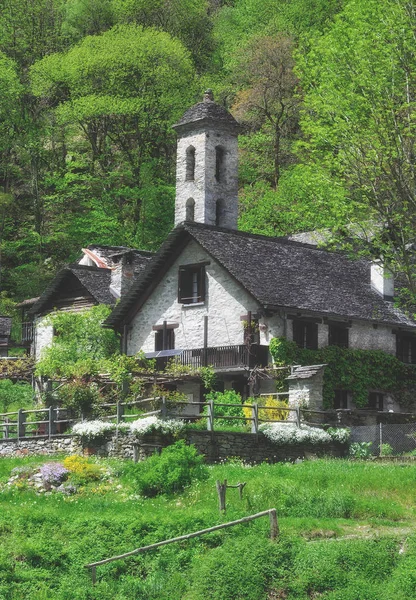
201	283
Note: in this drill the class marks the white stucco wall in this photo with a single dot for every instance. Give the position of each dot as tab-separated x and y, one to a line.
362	335
225	302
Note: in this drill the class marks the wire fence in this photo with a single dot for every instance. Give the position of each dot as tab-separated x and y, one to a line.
386	438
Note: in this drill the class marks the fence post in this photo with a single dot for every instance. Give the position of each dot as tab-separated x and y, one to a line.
274	525
51	428
120	411
221	489
6	428
297	410
255	418
20	424
381	440
163	408
210	421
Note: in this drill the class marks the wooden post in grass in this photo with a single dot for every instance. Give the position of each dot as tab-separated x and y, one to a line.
20	424
274	525
221	489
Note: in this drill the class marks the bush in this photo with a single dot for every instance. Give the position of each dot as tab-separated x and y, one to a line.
81	469
361	449
169	472
228	397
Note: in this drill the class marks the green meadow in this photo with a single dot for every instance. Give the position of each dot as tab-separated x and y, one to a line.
347	532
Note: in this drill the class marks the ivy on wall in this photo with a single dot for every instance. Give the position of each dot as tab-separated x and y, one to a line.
358	371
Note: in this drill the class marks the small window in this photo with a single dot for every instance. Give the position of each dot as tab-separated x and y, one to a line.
191	283
190	210
338	336
305	334
406	348
164	339
341	399
190	163
219	163
251	332
375	401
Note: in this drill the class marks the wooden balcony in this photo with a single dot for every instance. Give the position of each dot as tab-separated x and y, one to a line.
221	357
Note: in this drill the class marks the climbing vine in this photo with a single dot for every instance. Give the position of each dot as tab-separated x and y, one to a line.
358	371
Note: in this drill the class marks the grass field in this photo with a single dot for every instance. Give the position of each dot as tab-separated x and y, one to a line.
347	533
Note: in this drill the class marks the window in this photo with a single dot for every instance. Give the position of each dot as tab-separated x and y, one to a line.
190	164
164	339
219	163
251	332
191	284
406	348
375	401
190	210
341	399
305	334
338	335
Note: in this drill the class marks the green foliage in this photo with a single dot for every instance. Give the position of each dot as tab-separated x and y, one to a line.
361	449
15	395
170	472
386	450
79	396
229	397
245	570
358	371
79	343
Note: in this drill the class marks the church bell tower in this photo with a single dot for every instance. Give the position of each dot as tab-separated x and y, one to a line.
207	165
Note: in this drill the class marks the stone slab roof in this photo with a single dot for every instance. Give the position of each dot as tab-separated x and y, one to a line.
306	372
207	111
113	254
95	280
277	272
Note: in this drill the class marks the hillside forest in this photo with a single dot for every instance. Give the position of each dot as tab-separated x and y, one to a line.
89	90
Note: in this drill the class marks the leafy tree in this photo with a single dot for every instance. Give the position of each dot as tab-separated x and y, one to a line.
267	97
360	119
79	343
120	92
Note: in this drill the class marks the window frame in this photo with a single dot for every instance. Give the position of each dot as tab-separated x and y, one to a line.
406	348
340	399
305	334
170	339
191	279
336	330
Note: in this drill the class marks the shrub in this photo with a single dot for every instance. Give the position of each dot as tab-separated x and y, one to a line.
169	472
286	433
53	473
272	410
81	469
361	449
228	397
149	424
386	450
91	430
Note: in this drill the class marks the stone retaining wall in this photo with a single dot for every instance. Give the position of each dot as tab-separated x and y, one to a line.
215	446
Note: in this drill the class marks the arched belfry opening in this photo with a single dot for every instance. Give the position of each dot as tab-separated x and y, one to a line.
219	163
190	163
190	210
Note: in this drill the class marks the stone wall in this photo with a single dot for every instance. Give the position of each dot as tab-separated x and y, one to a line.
65	444
215	446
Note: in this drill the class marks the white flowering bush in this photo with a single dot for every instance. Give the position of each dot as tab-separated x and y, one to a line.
93	429
287	433
339	435
150	424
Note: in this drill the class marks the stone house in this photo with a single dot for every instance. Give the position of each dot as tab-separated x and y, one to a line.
213	295
101	276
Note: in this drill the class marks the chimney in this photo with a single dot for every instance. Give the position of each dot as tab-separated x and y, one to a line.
382	280
122	275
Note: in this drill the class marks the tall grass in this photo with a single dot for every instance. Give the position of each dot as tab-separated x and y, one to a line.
45	541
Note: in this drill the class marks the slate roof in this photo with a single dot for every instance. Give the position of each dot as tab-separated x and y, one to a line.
95	280
207	111
277	272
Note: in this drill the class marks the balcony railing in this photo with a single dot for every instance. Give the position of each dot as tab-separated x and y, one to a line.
220	357
22	334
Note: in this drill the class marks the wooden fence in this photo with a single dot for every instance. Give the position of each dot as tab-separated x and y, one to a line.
274	532
55	421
